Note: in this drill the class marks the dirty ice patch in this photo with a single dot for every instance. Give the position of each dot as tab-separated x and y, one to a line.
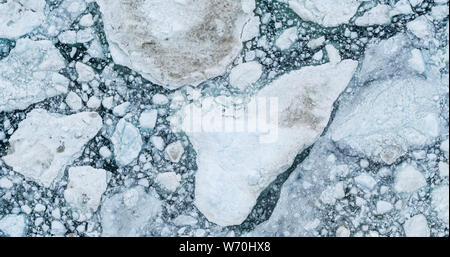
177	43
234	168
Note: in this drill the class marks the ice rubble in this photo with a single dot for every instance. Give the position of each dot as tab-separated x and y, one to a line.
177	43
328	13
125	214
233	169
85	188
29	74
396	112
45	143
19	17
127	142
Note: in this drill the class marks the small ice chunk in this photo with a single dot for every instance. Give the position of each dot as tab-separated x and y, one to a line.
185	220
384	207
5	183
74	101
160	99
121	109
408	179
87	20
417	226
58	229
148	119
94	102
366	181
85	187
85	72
317	42
127	142
287	38
105	152
168	180
245	74
158	142
175	151
342	231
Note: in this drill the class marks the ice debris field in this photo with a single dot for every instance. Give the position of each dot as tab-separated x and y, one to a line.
111	118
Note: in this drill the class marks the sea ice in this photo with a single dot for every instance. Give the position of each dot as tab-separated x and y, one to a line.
13	225
29	74
328	13
233	169
177	43
125	214
45	143
85	187
19	17
127	142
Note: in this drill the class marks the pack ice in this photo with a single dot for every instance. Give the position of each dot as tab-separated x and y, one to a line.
45	143
234	168
29	74
177	42
395	113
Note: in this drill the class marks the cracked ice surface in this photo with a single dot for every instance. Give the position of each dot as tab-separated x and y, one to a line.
92	93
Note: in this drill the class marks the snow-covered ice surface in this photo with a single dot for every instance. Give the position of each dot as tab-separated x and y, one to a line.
92	93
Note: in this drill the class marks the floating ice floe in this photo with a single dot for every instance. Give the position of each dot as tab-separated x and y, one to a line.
287	38
177	43
245	74
13	225
408	179
394	113
29	74
168	180
417	226
85	187
45	143
233	169
126	214
127	142
379	15
19	17
328	13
